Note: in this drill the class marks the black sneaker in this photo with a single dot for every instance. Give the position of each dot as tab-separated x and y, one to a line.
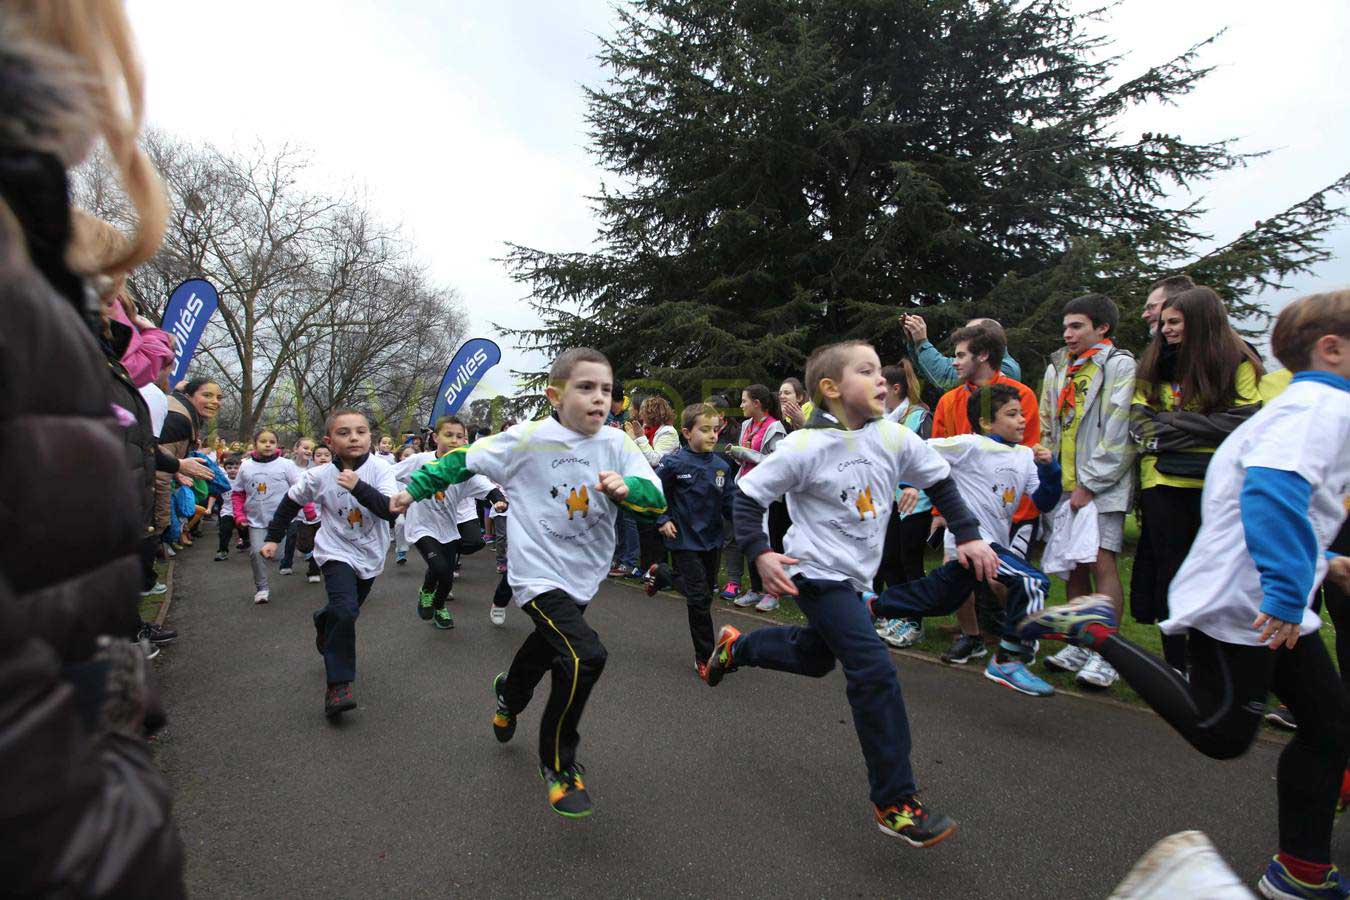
908	820
338	699
157	634
222	555
442	619
566	792
1281	717
503	720
965	648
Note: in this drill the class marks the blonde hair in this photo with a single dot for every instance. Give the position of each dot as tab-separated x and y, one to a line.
656	411
1303	322
96	38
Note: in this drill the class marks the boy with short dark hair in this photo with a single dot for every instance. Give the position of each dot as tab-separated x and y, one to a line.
352	499
568	475
225	523
1085	420
699	486
839	474
1276	492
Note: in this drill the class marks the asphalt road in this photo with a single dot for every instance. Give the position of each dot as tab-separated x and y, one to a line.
753	789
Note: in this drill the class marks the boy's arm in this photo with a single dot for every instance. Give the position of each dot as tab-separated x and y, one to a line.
747	522
1111	460
436	476
645	499
1047	484
1275	502
934	367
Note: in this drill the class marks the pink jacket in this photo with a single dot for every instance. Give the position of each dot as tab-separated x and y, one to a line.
147	353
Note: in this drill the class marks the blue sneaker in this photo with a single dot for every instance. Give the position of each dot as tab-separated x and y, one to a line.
1014	674
1277	882
1070	621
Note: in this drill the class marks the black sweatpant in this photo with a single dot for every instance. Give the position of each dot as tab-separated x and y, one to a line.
225	525
149	553
440	559
779	523
501	597
564	644
696	578
336	622
902	552
1220	709
1170	522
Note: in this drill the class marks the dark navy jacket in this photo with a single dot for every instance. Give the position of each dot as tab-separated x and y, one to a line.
699	489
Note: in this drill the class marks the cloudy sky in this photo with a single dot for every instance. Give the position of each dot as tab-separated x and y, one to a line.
463	122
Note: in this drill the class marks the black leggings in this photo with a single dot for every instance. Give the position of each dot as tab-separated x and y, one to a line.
1170	520
440	559
902	553
226	527
1220	709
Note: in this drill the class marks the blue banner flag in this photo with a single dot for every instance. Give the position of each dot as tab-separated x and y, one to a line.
474	358
191	304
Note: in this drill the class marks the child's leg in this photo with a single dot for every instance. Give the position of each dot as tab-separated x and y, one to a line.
336	622
563	642
256	538
313	568
501	597
939	593
499	523
288	546
1312	763
891	571
1026	590
440	560
470	538
841	628
732	556
225	527
913	540
691	580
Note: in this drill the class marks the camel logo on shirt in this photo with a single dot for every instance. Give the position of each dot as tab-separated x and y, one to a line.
1009	495
578	501
439	495
864	504
354	518
262	487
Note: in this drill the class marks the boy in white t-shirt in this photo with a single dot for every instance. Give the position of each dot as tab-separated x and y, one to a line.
839	474
446	525
1276	492
567	475
351	495
993	472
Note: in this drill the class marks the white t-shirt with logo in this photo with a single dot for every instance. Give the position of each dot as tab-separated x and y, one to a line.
264	484
348	532
562	527
992	477
840	488
1306	430
438	516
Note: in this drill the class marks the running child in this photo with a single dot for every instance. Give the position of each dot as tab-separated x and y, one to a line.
309	525
401	523
435	528
226	523
568	475
302	454
264	478
699	486
352	497
839	473
1276	492
994	472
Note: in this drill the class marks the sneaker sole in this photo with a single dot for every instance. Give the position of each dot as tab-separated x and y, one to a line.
1270	891
448	627
965	659
999	679
341	708
921	845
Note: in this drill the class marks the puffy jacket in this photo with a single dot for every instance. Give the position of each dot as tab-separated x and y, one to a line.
139	437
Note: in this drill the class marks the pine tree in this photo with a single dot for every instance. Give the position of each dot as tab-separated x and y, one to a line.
790	172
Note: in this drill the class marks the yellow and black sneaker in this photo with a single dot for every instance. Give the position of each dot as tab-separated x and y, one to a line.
720	662
566	792
503	720
908	820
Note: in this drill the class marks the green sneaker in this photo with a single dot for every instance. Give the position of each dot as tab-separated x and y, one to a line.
424	607
443	619
566	792
503	720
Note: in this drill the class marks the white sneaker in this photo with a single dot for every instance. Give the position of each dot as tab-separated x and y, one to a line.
285	570
749	598
1183	865
261	597
1070	659
903	633
498	615
1097	672
313	579
767	603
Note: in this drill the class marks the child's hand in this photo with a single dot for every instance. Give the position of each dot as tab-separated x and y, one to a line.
1276	632
500	506
1042	454
668	530
268	551
909	498
348	478
776	581
400	502
612	486
980	558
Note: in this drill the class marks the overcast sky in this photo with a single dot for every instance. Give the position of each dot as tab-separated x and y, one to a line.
464	122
